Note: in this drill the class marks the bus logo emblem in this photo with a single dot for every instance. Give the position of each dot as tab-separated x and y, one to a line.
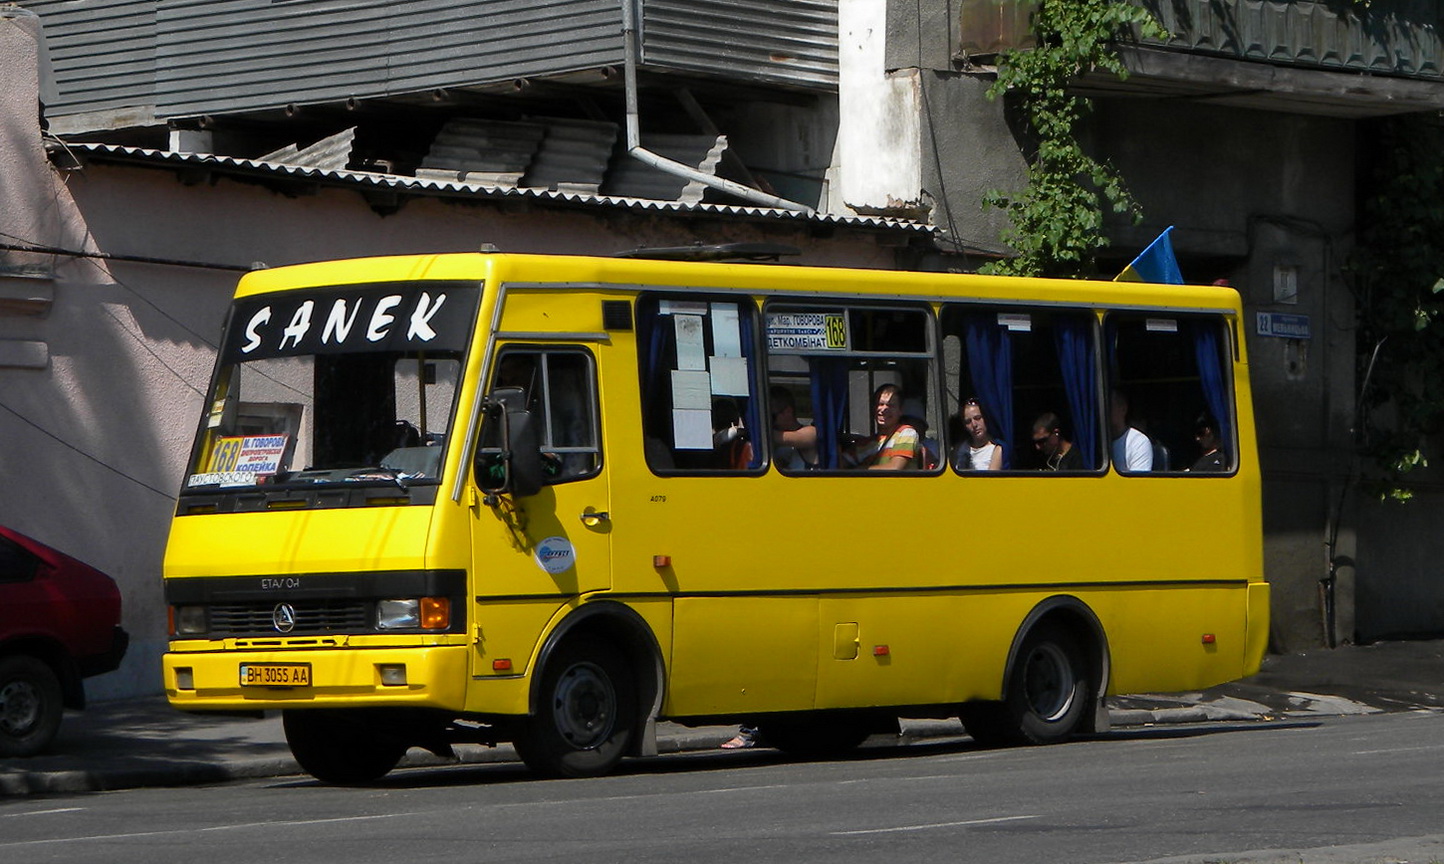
283	617
556	555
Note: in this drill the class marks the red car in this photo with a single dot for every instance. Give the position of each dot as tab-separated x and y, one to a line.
59	624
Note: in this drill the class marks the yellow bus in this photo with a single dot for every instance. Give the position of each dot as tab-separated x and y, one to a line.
552	500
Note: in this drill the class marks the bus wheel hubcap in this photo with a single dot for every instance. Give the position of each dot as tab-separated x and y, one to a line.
1049	682
584	706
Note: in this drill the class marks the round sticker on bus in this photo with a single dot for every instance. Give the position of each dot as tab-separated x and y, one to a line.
555	555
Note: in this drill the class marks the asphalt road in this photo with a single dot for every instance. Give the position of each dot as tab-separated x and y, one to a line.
1347	789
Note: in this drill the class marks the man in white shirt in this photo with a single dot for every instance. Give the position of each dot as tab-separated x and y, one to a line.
1131	449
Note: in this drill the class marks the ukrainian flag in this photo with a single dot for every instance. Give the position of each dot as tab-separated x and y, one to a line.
1155	264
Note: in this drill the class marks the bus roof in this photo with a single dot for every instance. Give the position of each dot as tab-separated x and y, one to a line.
775	279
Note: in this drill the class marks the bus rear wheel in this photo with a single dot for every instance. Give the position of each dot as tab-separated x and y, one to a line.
341	747
586	713
1047	696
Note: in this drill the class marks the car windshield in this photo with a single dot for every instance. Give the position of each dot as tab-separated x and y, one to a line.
353	385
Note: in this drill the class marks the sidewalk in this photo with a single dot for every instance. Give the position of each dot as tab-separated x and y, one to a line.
144	742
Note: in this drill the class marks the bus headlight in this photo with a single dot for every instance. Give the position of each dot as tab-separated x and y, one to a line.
188	620
424	613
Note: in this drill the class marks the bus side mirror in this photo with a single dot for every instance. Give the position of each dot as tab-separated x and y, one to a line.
515	466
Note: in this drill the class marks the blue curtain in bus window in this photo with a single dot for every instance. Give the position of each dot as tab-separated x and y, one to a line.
1074	340
829	404
657	376
1208	349
990	360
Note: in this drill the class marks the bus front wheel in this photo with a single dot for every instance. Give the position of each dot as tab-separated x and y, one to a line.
1047	696
340	746
586	713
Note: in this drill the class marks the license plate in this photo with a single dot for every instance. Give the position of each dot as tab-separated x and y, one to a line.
275	675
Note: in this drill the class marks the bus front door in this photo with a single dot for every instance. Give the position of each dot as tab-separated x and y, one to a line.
534	554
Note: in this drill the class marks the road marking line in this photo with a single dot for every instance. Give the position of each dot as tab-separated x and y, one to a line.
738	789
247	825
1395	750
992	821
45	812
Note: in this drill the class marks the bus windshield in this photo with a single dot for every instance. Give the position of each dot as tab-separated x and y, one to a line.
353	385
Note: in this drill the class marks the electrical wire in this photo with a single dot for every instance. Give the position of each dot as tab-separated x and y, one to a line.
61	441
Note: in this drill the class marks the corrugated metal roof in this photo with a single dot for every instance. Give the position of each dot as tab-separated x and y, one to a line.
632	178
421	186
1391	37
573	155
228	56
793	42
103	52
333	152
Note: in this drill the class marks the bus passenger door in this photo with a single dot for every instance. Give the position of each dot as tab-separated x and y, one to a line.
534	554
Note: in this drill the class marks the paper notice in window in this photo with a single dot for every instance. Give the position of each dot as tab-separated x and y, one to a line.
682	307
692	430
726	336
692	391
690	352
729	376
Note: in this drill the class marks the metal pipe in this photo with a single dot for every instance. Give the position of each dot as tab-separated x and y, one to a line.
662	163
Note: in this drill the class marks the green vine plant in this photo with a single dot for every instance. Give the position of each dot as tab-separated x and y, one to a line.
1057	219
1397	267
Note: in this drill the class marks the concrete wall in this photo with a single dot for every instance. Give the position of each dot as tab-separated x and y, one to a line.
95	435
1399	585
878	164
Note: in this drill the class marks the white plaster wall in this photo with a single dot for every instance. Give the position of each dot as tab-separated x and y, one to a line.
878	162
92	446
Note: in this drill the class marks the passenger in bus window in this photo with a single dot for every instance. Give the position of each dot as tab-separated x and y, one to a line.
1131	449
729	435
796	444
1205	432
896	446
1058	452
979	452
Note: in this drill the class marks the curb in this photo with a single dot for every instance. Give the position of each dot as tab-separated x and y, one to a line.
677	740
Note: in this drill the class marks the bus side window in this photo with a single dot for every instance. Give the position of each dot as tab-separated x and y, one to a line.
700	412
828	365
1030	375
1170	391
561	393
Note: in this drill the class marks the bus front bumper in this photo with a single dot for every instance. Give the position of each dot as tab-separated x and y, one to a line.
429	677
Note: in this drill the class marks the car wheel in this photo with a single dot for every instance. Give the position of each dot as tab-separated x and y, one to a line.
30	705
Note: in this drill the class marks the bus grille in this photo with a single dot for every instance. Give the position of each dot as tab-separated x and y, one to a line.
316	616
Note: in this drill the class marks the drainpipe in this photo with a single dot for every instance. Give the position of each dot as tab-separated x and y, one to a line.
662	163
